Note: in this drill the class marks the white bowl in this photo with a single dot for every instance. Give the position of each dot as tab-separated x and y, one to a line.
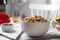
35	29
7	28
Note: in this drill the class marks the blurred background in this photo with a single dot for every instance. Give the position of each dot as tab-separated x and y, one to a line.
19	7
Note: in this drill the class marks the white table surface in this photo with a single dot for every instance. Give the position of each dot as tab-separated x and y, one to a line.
3	38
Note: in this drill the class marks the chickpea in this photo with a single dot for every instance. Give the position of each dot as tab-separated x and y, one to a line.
35	19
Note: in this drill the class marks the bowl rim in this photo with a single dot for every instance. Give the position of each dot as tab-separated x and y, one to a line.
34	22
7	24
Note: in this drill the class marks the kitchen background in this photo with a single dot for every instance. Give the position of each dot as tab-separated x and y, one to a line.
19	7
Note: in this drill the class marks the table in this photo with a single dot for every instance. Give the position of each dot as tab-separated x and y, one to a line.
3	38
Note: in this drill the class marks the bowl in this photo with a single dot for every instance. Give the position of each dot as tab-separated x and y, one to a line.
7	27
35	29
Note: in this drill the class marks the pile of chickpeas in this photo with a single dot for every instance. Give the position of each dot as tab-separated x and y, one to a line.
35	19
